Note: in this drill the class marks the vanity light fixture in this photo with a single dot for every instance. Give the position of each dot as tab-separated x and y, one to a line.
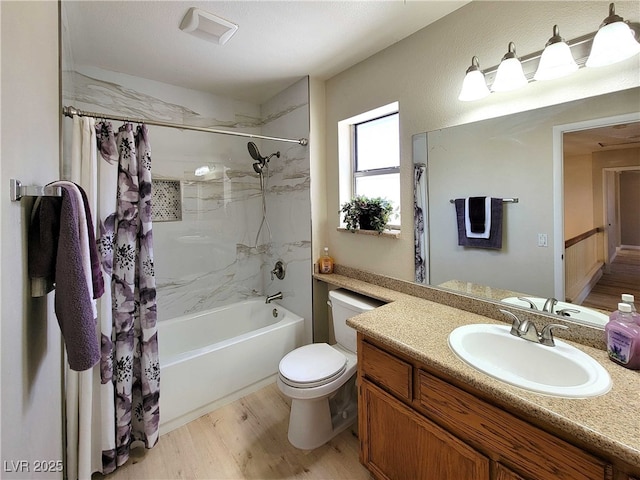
556	60
614	41
474	86
510	75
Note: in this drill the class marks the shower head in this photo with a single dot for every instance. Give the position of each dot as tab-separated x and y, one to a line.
255	154
258	166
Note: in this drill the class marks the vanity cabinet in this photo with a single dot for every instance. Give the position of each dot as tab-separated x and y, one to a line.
415	425
401	444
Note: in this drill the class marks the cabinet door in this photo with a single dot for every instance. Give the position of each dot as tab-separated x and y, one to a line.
399	444
503	473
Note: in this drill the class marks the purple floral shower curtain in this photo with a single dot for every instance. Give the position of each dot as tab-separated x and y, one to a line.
129	367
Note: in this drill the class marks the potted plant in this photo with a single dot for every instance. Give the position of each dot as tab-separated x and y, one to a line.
367	213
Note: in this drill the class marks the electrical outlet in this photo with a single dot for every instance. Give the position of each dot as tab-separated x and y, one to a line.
542	240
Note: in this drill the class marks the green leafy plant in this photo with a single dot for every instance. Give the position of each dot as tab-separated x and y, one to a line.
367	213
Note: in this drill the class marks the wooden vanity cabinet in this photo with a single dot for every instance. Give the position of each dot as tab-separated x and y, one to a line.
413	425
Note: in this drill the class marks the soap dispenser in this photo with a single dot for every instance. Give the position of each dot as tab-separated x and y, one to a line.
623	337
325	262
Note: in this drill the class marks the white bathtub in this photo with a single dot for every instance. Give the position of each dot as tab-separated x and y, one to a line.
211	358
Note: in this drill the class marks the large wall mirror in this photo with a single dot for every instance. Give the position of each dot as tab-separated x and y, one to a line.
574	169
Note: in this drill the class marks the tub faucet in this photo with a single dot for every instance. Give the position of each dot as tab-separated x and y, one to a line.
275	296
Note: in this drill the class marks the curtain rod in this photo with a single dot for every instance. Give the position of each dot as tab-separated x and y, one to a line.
70	111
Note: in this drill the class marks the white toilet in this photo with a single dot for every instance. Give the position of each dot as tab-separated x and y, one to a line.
320	379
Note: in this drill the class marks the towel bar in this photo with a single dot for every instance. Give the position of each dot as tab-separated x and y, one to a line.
504	200
17	190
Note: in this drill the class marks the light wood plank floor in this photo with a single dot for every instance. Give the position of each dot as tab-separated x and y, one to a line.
624	277
246	439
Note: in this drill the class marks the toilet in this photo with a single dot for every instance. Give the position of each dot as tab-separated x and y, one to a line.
320	378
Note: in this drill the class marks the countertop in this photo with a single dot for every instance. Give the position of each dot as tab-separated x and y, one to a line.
419	328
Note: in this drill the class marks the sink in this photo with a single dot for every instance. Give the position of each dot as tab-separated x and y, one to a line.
585	315
561	371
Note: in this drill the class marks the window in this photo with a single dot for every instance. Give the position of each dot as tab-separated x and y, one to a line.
376	160
369	157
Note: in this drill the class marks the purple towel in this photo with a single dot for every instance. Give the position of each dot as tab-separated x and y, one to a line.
56	225
43	244
495	237
96	273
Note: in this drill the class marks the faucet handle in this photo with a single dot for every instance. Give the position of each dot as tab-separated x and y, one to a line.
526	300
515	324
278	270
546	335
564	312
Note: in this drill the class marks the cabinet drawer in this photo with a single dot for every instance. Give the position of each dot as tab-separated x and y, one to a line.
387	371
531	451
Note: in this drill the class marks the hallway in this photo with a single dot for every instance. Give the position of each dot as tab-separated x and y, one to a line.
624	277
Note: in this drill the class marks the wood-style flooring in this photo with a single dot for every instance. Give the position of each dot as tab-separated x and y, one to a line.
624	277
246	439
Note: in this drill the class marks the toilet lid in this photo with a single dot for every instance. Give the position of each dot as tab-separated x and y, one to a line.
312	364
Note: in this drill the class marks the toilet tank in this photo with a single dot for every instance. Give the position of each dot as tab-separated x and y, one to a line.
346	304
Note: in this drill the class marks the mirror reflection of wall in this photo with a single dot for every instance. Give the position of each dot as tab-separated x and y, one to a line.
512	156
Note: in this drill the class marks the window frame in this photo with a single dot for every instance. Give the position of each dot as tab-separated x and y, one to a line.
355	173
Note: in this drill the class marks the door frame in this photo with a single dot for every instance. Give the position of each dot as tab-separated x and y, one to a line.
558	187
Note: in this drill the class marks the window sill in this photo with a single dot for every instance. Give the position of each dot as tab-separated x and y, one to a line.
384	233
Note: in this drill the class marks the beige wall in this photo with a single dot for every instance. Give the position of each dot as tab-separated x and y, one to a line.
424	73
578	196
31	383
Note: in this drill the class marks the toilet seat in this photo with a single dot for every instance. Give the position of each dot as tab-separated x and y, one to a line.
311	366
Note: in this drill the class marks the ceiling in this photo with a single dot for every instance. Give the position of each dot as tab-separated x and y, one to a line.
613	137
277	42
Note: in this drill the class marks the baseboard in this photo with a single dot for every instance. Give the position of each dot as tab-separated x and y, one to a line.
628	247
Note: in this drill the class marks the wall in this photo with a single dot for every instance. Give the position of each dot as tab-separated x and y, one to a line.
210	257
31	346
629	211
424	73
578	196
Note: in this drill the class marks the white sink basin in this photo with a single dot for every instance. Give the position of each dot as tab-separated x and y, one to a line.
585	315
561	371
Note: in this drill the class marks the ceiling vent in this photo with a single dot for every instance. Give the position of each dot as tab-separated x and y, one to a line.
207	26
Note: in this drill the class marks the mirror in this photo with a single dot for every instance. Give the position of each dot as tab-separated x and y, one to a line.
513	157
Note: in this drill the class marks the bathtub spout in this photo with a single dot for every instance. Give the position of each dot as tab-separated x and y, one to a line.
275	296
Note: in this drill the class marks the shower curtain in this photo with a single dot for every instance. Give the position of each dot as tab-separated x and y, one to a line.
419	216
117	402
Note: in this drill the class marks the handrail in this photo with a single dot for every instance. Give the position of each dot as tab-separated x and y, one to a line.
582	236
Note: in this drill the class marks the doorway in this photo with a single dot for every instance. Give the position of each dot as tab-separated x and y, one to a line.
590	159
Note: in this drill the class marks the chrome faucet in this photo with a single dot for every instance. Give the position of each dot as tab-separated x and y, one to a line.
275	296
528	331
549	304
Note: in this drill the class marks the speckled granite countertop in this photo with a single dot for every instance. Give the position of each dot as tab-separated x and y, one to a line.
420	328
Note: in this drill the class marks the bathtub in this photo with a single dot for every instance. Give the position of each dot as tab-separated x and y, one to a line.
211	358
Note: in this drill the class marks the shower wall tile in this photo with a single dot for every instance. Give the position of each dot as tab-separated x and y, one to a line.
210	258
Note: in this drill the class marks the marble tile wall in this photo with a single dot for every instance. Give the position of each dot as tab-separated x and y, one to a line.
210	258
